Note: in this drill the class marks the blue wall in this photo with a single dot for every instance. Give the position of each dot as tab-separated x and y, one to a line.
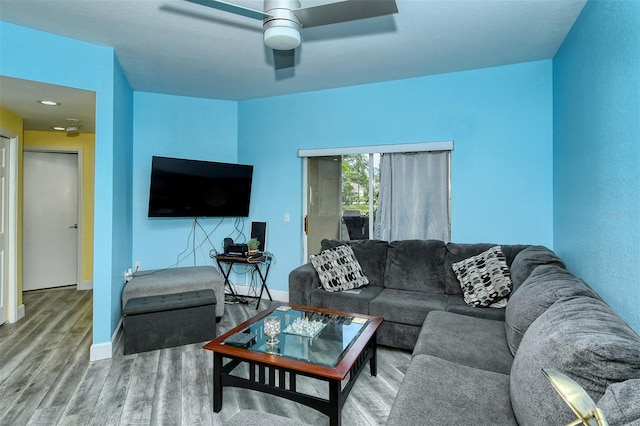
183	127
38	56
122	183
597	152
499	118
545	152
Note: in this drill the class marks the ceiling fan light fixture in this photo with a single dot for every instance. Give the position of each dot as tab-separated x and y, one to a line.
283	20
282	38
282	27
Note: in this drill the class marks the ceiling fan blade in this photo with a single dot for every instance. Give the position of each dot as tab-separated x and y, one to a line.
284	59
343	11
232	8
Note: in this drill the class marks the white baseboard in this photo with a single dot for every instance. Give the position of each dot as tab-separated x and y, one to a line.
19	314
117	335
85	285
100	351
279	295
105	350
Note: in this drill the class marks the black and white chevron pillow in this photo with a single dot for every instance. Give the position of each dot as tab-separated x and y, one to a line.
338	269
485	279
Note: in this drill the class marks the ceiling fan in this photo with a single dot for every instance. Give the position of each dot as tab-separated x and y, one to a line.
283	20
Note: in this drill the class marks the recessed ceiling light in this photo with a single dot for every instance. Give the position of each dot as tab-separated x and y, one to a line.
49	103
59	128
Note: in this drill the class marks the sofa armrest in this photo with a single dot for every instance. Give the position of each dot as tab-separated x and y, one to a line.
302	281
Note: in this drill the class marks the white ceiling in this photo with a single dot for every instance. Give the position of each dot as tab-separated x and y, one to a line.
22	96
180	48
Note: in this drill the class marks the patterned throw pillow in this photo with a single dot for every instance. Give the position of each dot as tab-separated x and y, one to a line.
338	269
484	278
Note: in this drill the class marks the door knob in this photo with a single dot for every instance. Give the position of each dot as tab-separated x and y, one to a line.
75	226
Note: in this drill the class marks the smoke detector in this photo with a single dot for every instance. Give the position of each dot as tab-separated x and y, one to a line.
73	127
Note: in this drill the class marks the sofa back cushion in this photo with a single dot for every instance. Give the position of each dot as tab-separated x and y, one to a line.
545	286
371	255
580	337
455	252
415	265
528	259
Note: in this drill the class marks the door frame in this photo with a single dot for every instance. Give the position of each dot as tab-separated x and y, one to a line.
15	313
80	155
305	212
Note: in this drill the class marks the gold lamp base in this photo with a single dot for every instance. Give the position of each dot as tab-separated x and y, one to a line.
577	399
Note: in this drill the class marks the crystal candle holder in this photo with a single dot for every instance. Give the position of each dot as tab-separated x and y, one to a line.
272	329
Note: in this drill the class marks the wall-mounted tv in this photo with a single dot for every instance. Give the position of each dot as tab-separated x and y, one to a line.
193	188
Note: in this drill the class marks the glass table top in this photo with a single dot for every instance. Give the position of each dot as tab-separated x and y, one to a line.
314	337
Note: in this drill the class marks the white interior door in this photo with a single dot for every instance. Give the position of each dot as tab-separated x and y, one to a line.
50	220
4	227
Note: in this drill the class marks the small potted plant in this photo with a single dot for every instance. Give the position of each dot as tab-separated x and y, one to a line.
253	245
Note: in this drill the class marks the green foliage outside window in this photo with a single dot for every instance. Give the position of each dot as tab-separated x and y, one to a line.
355	183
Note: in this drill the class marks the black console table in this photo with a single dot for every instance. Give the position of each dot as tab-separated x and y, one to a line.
256	262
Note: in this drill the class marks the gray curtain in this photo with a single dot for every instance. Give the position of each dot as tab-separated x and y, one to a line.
413	202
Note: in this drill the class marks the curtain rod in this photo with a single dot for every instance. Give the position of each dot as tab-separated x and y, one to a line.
382	149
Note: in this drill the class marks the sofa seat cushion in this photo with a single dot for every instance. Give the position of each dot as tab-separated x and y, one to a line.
475	342
396	335
406	307
440	392
529	259
582	338
546	285
371	254
345	300
415	265
455	304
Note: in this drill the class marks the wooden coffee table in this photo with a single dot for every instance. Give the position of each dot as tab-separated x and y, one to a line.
343	345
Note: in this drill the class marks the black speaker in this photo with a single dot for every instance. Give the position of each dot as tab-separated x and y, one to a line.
259	231
226	244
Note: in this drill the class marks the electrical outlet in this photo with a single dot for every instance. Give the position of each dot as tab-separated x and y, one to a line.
286	217
128	275
138	265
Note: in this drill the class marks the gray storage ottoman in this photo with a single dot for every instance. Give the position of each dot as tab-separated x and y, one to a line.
168	320
175	280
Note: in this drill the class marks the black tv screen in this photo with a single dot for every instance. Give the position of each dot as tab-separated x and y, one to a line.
192	188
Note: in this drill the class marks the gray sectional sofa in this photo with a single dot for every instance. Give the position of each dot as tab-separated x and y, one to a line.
484	365
407	280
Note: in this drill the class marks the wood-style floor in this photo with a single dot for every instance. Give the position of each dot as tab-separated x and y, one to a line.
46	377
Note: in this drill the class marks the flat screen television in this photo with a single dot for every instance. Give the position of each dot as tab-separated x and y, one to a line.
193	188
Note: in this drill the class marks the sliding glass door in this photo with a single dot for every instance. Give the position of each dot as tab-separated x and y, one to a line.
324	199
343	186
341	198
